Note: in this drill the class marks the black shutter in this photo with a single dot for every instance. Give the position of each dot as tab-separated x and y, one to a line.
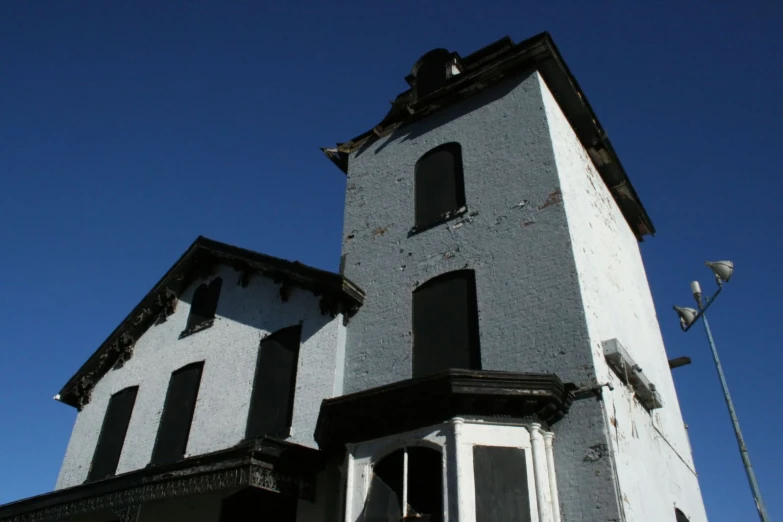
272	399
445	324
439	184
178	408
112	437
500	475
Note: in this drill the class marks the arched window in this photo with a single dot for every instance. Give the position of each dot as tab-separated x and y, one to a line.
272	399
439	184
203	306
679	516
112	437
177	416
445	324
406	485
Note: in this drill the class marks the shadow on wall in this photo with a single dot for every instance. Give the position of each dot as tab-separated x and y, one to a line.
257	302
442	117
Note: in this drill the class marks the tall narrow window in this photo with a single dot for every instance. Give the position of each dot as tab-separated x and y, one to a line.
500	475
439	184
445	324
406	485
680	516
203	306
272	401
177	416
112	437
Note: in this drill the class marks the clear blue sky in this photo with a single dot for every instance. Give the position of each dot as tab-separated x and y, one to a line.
129	128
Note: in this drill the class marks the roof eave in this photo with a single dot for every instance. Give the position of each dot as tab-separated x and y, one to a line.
540	53
174	282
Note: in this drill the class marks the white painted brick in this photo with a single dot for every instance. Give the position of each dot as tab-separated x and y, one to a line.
229	350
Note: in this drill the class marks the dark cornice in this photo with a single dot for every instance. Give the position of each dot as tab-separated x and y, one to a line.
338	295
489	66
425	401
262	463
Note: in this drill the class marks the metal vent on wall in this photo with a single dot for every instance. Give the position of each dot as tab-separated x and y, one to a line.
631	374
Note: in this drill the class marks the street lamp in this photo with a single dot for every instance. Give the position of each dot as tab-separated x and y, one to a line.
723	271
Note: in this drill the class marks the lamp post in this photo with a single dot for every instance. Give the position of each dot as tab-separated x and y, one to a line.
688	317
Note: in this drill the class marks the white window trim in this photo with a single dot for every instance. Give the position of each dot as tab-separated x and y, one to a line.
455	440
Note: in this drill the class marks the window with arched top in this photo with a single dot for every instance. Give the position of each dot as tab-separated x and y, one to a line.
274	385
406	484
679	516
439	184
203	306
445	324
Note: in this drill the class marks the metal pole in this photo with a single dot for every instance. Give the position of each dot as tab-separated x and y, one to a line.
740	441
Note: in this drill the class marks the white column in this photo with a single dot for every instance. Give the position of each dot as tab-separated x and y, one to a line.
349	484
461	500
539	470
550	464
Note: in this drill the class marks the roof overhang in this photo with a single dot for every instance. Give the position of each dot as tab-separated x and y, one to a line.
426	401
489	66
267	464
338	295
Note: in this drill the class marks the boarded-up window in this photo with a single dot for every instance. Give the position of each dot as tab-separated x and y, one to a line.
500	475
445	324
680	516
439	184
204	305
177	416
112	437
422	485
272	400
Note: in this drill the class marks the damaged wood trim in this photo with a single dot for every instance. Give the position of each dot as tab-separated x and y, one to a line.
279	467
429	400
199	260
491	65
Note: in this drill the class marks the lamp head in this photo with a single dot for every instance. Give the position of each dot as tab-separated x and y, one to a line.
722	269
687	316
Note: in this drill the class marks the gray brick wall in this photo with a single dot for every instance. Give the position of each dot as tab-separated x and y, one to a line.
516	238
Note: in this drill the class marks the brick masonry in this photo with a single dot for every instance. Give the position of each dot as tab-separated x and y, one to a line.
229	349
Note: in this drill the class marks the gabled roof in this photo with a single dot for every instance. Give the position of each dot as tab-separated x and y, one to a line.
489	66
338	295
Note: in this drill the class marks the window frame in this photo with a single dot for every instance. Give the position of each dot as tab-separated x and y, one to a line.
209	290
473	322
168	416
460	208
256	402
104	444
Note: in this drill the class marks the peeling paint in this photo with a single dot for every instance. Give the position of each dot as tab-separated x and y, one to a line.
555	198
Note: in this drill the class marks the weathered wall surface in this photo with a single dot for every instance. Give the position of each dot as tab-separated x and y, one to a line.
652	453
229	350
516	238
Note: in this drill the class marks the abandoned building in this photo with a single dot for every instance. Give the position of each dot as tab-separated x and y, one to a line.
489	351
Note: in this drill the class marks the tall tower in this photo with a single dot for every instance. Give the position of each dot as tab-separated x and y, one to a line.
494	231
